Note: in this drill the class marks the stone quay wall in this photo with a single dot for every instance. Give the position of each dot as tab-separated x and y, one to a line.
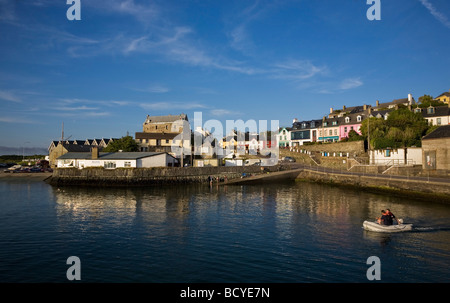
148	176
417	188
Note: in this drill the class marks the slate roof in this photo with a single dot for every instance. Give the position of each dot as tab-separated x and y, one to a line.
168	118
438	133
167	136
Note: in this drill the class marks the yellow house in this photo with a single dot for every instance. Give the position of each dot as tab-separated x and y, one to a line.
444	97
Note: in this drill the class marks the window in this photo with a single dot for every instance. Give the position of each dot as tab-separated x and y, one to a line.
438	121
387	153
110	164
313	124
430	110
127	164
359	118
335	132
325	123
334	122
345	129
347	119
167	141
417	110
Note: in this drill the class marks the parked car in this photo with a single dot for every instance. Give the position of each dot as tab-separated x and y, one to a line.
35	169
13	168
288	159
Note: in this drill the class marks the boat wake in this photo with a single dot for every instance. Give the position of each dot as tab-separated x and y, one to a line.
430	228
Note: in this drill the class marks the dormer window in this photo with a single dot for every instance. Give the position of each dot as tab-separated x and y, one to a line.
417	110
359	118
430	110
334	123
304	125
347	119
313	124
325	123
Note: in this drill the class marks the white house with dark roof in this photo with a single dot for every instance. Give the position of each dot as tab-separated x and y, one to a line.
116	160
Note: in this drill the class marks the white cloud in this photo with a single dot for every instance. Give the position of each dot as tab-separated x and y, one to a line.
297	70
350	83
222	112
438	15
16	120
153	88
9	96
171	105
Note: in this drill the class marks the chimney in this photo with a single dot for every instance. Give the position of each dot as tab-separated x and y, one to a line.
364	107
94	151
410	98
378	103
331	110
343	107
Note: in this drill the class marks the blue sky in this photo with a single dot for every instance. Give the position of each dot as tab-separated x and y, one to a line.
260	60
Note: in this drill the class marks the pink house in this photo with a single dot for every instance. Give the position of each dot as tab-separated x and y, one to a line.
350	122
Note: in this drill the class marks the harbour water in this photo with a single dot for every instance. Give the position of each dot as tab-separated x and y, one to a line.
296	232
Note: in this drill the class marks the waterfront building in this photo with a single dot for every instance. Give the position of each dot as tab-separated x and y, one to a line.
396	156
436	149
56	149
284	137
159	133
115	160
62	149
304	132
329	132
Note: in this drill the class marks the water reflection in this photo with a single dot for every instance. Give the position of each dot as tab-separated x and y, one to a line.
292	233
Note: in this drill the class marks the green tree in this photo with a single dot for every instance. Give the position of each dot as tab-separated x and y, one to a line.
125	144
427	101
354	136
402	128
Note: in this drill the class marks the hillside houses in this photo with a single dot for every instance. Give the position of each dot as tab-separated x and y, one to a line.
337	125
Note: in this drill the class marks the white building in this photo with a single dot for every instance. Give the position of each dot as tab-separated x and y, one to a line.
116	160
397	156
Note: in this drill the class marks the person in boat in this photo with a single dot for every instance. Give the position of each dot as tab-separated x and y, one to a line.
385	219
392	217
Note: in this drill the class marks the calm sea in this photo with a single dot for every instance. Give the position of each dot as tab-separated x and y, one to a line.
298	232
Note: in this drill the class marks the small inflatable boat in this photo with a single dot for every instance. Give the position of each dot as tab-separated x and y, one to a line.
374	226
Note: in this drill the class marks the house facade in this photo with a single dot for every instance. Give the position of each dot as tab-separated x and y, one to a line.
284	137
305	131
439	115
444	97
160	133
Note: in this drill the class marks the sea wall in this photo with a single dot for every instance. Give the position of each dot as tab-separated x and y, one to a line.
418	188
98	176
